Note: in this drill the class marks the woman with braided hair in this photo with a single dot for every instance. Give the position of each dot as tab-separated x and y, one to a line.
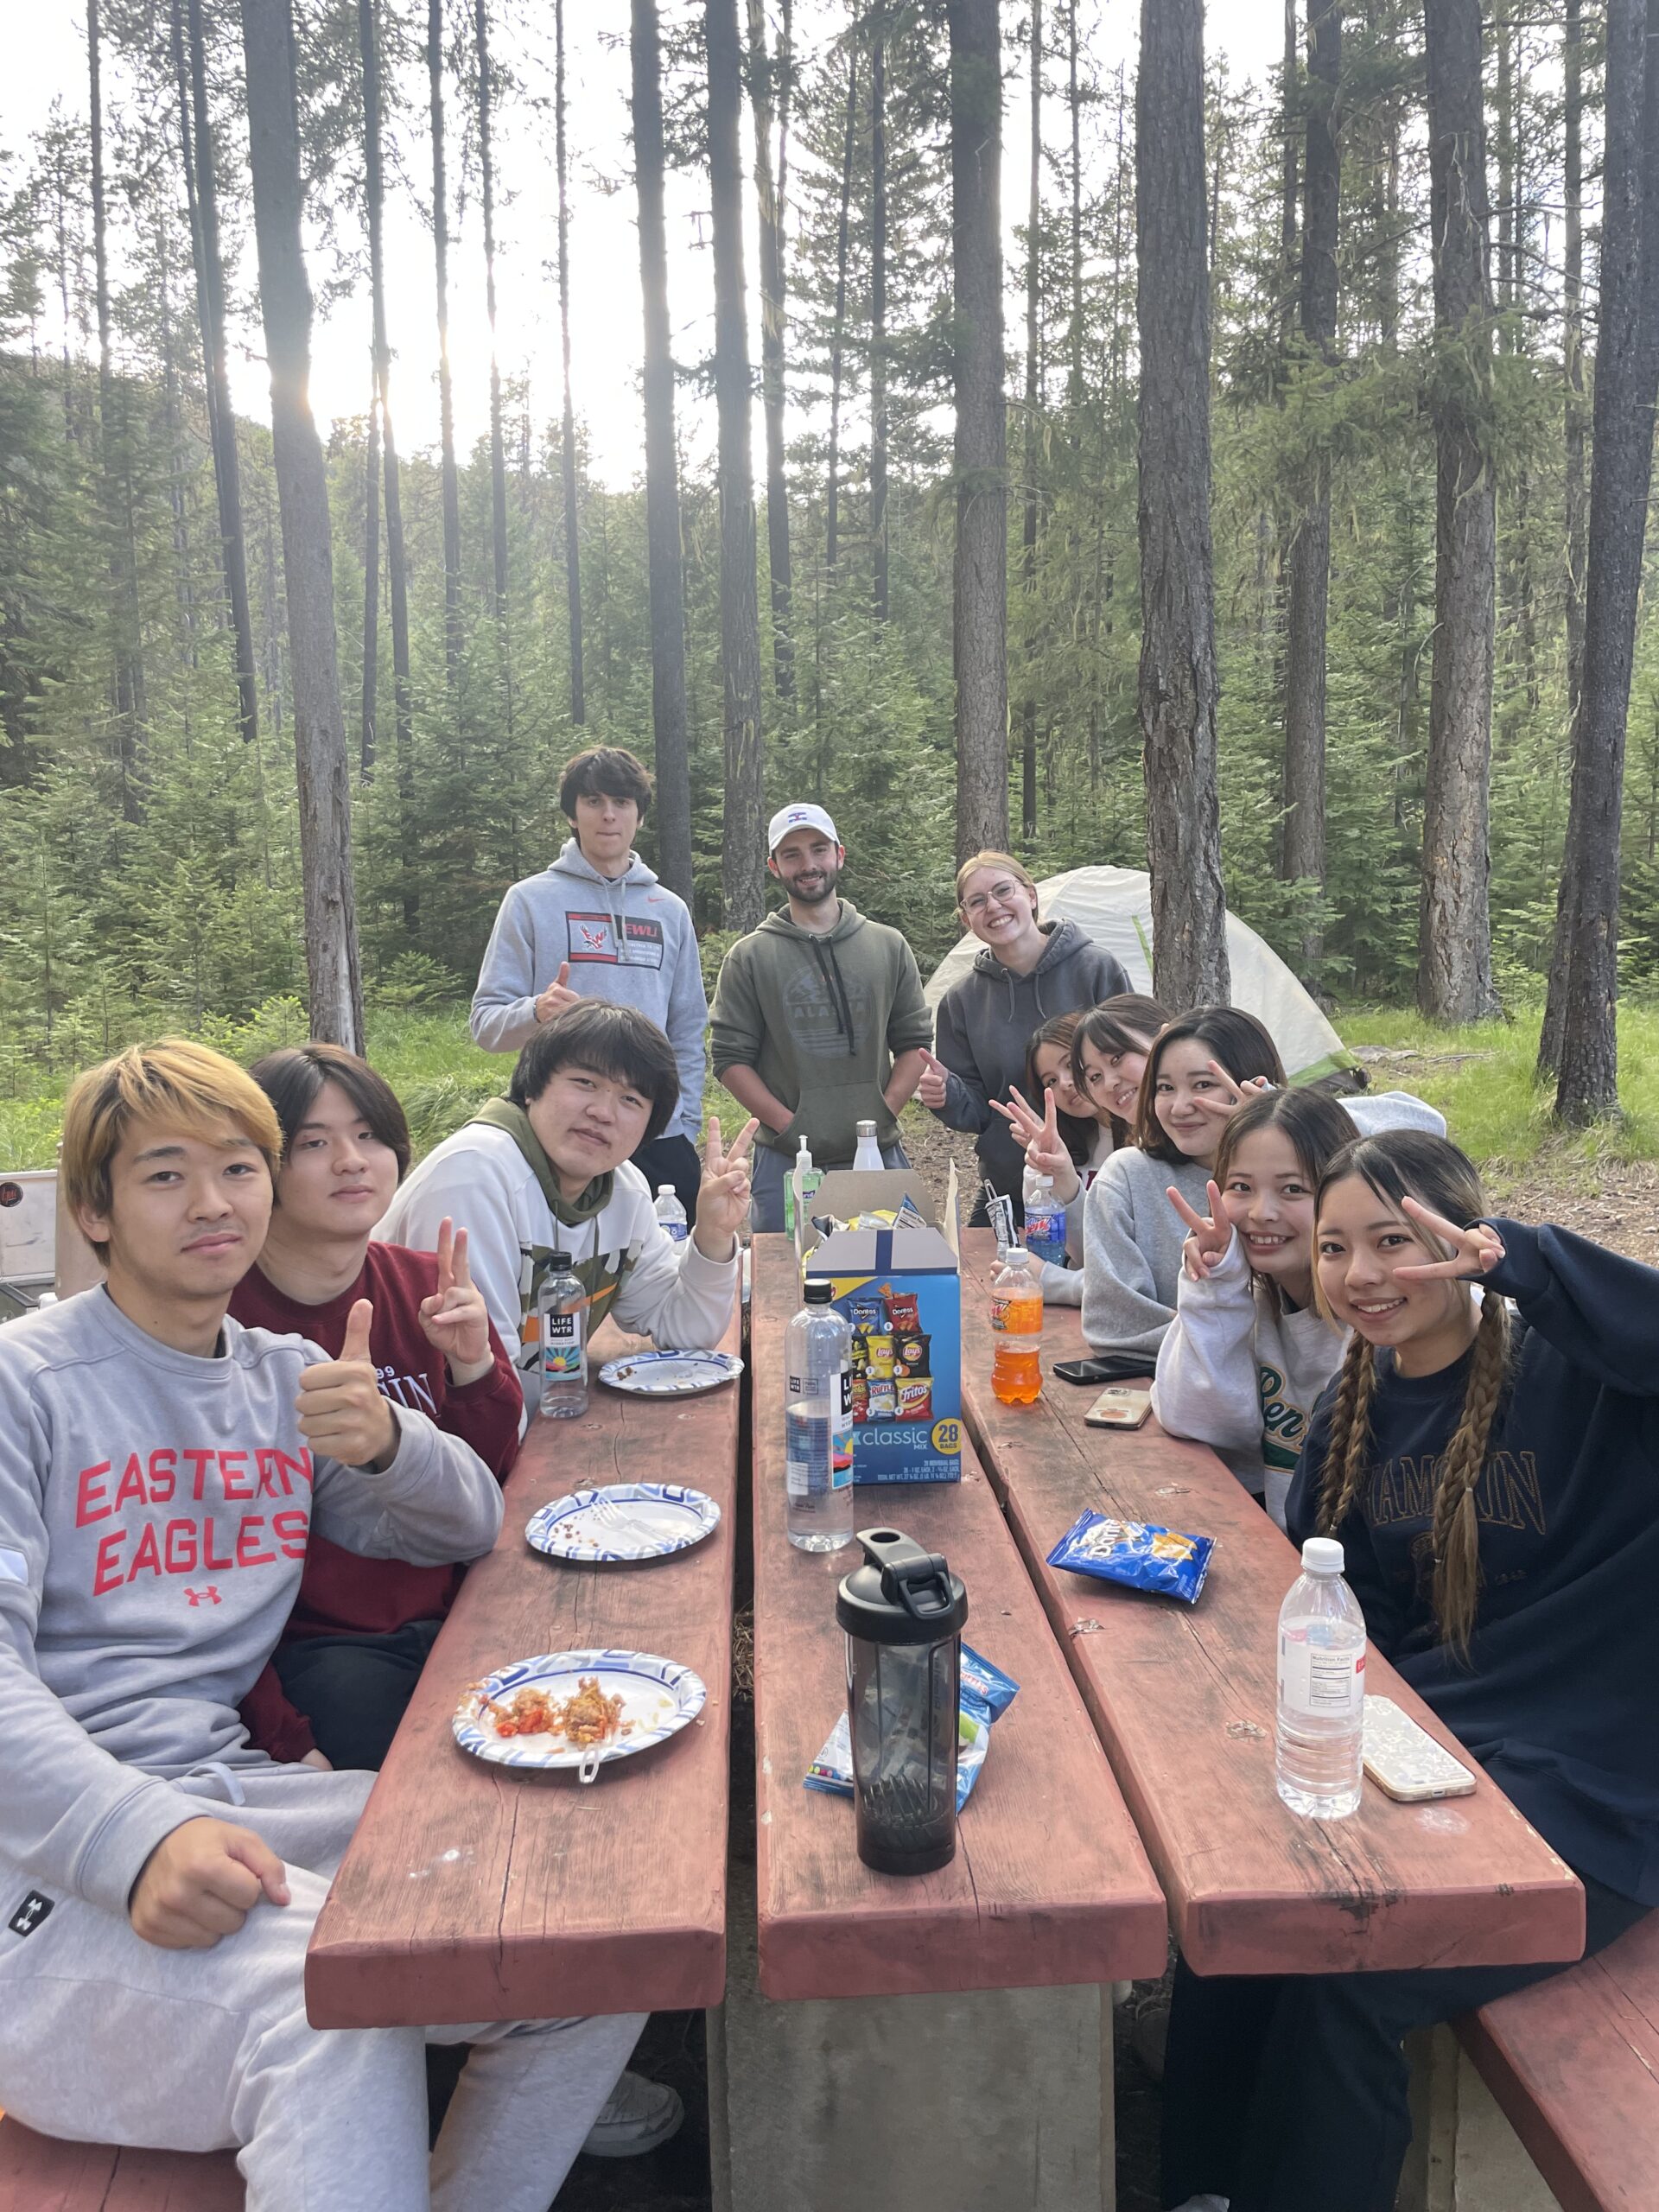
1488	1455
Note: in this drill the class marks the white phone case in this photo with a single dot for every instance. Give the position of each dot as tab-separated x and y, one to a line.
1405	1761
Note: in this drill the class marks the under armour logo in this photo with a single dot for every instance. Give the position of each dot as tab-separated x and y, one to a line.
30	1914
210	1594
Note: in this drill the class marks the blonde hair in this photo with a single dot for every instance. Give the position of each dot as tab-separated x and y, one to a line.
1397	1165
989	858
181	1084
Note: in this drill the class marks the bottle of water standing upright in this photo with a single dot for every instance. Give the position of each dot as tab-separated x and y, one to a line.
1045	1219
1321	1687
818	1424
868	1158
562	1339
672	1213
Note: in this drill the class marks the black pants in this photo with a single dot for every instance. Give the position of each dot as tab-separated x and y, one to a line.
1288	2092
673	1159
353	1689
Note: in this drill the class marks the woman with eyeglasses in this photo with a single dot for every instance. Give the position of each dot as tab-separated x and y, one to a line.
1026	971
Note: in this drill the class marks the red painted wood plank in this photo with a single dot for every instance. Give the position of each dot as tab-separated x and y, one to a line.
1185	1698
472	1893
1050	1883
38	2173
1575	2064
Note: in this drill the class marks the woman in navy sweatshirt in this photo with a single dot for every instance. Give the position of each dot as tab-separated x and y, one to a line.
1491	1466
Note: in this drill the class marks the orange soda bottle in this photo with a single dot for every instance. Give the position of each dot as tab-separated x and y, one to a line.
1016	1328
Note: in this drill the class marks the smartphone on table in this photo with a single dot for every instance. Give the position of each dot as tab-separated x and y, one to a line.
1404	1760
1118	1408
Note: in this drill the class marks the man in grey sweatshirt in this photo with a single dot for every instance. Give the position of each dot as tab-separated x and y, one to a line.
160	1469
597	924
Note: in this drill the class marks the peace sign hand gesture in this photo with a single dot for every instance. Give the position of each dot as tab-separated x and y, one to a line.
1211	1234
1475	1251
1045	1152
1221	1106
723	1196
454	1321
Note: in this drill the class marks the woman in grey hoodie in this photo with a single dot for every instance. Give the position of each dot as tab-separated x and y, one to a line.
1028	970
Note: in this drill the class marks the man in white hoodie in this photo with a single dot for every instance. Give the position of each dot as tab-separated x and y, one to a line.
597	924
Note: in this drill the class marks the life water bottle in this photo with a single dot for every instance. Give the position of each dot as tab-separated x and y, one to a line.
1016	1329
867	1158
671	1214
1045	1219
1321	1689
818	1424
562	1340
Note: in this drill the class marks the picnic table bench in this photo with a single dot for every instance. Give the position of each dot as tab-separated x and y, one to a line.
38	2173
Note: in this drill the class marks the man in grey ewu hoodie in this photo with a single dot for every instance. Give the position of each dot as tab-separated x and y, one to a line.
597	924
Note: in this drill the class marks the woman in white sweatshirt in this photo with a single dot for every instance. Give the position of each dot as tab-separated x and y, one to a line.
1248	1352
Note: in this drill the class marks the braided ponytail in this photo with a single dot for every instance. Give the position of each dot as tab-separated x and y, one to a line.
1350	1435
1456	1527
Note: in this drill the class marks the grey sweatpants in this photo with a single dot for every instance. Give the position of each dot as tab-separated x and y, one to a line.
105	2038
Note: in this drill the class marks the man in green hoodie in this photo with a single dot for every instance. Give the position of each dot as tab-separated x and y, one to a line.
818	1017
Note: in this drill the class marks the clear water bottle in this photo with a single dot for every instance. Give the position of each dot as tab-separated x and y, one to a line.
818	1424
1016	1329
672	1213
1045	1219
867	1158
562	1339
1321	1687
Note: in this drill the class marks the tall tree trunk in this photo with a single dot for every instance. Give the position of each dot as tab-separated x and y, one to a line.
371	714
1287	178
1177	683
497	453
567	423
1572	349
743	845
661	472
450	478
980	623
1074	384
1454	943
838	321
878	310
201	193
769	195
324	794
1586	972
1032	442
1308	556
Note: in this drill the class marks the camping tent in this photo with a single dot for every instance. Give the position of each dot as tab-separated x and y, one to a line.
1113	905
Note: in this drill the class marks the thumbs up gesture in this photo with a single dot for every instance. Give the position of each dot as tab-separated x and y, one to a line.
341	1411
557	996
936	1080
454	1321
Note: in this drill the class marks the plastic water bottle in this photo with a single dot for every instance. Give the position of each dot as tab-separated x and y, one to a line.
1017	1329
799	1184
819	1424
1321	1687
1045	1219
672	1213
561	1325
867	1158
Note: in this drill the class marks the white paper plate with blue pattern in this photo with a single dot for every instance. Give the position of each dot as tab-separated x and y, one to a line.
670	1374
623	1520
659	1697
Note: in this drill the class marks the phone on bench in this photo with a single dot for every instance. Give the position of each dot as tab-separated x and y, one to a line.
1110	1367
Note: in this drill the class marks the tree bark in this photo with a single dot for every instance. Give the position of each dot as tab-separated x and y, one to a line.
325	796
878	426
1627	386
450	478
769	195
980	634
1178	680
371	709
743	844
1287	177
568	425
1031	441
1455	954
396	567
838	321
1572	349
498	452
1308	555
1074	385
662	470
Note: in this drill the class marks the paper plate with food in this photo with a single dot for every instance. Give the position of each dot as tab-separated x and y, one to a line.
670	1374
623	1521
577	1709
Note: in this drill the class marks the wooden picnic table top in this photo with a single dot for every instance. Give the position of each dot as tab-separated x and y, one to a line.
471	1892
1050	1883
1185	1699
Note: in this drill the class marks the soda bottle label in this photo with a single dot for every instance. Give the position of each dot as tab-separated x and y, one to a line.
1017	1312
1315	1681
562	1345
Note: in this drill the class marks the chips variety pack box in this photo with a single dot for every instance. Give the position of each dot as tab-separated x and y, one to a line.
900	1290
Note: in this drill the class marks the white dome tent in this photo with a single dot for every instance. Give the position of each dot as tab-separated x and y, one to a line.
1113	905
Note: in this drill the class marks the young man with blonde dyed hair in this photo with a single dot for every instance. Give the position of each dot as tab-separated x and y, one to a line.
160	1470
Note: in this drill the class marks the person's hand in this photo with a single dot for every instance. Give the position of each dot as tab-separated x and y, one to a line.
723	1195
1020	1114
1211	1233
316	1758
454	1320
342	1413
1223	1105
201	1882
1475	1251
558	995
936	1078
1045	1152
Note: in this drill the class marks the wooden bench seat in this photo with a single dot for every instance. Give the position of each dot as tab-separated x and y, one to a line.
39	2174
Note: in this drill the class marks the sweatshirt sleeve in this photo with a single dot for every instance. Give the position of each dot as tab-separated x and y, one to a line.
1599	1310
737	1033
965	1105
910	1026
435	1503
1061	1286
71	1815
673	1295
488	1414
688	1018
1122	1311
1206	1387
504	1004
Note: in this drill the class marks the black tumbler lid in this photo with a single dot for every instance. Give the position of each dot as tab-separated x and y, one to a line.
901	1594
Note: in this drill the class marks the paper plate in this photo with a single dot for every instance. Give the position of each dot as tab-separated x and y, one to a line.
623	1520
659	1697
671	1374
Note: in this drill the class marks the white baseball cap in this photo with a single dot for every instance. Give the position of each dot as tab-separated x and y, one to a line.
798	817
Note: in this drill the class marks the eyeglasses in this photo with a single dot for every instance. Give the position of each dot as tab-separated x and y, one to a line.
999	894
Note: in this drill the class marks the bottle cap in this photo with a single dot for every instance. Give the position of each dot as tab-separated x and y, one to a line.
867	1128
902	1594
1321	1555
819	1291
665	1191
563	1259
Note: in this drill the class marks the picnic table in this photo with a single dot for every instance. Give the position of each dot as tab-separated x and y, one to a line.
473	1892
1185	1698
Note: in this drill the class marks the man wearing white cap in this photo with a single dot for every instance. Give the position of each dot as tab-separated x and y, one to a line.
818	1017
